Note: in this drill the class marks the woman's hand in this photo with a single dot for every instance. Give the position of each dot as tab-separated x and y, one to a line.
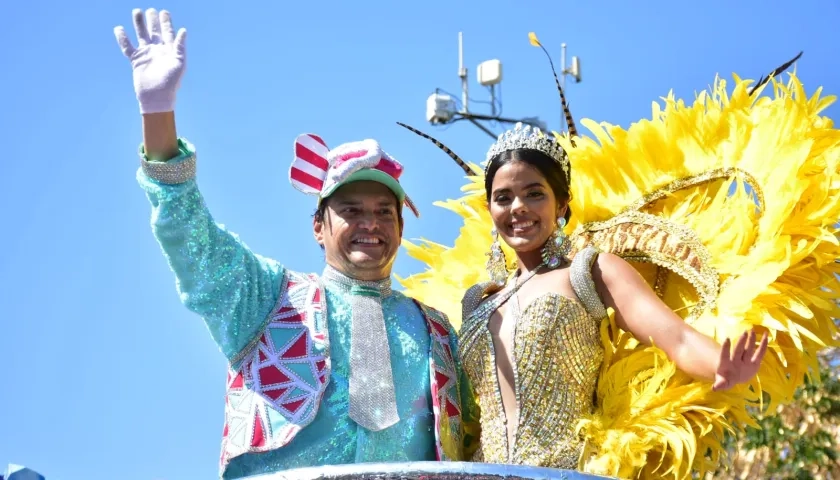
741	364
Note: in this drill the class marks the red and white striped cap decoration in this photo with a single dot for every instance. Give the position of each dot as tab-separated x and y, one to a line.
317	170
309	168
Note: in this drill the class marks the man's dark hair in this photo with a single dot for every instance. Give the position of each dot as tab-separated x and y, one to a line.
320	212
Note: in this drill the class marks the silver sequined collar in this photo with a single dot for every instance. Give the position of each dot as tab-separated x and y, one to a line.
345	283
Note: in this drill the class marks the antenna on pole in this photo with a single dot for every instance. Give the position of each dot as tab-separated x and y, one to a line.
442	108
462	73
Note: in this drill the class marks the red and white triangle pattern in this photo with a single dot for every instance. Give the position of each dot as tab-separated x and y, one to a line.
446	399
271	395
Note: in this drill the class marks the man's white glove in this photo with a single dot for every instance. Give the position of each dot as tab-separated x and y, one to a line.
158	62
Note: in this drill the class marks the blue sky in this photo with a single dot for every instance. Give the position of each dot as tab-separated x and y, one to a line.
105	374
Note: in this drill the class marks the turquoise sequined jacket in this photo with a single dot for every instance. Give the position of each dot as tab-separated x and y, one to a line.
286	337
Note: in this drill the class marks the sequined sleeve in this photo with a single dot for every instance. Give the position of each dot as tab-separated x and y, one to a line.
217	276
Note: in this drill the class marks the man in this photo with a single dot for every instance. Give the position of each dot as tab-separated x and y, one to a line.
323	370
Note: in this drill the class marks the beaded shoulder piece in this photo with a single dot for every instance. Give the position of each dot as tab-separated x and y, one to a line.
580	275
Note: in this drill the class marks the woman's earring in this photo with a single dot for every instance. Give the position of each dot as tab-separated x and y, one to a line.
496	263
557	247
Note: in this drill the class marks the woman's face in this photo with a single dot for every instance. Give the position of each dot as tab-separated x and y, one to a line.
523	206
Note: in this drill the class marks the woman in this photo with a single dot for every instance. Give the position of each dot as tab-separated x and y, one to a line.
550	309
530	340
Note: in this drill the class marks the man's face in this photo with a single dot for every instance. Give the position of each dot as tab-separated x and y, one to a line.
361	230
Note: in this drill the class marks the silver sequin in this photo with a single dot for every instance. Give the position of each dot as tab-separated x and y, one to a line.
373	403
170	173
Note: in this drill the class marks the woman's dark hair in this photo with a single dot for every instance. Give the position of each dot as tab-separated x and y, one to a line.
547	166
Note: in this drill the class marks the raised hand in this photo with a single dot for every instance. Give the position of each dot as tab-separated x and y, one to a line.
158	62
741	364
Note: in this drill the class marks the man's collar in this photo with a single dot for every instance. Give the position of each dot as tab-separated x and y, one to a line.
346	283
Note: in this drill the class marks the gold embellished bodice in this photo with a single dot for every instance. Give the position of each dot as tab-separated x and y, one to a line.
557	355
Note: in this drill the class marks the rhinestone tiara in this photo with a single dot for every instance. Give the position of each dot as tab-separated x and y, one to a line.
532	138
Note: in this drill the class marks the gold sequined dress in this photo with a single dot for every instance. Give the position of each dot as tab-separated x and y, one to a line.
557	354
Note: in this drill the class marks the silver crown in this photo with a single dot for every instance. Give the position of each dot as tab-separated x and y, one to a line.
532	138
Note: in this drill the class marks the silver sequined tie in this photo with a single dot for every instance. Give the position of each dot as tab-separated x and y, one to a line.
373	403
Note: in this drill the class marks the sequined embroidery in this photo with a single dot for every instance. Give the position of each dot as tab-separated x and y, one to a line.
645	238
557	357
174	172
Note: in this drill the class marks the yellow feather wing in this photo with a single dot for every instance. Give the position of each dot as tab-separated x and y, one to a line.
728	207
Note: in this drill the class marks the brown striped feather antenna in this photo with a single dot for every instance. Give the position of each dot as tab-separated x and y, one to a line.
411	206
452	155
569	121
763	80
